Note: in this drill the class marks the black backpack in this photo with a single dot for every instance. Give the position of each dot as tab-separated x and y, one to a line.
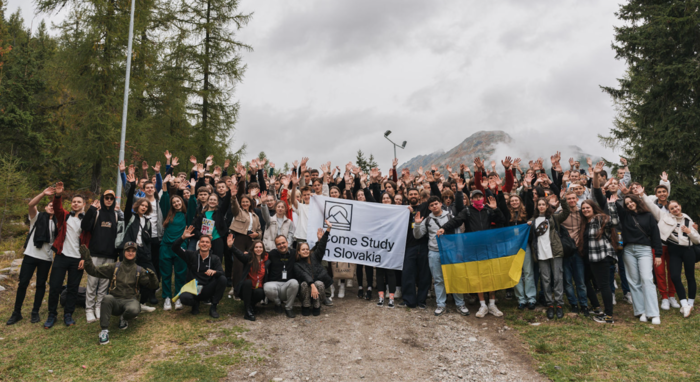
567	243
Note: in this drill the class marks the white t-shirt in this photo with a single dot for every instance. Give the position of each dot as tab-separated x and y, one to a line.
301	221
71	245
544	245
250	218
43	253
153	217
142	225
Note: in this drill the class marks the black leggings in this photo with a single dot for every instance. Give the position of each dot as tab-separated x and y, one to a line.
590	288
368	271
385	276
679	257
601	273
249	295
29	264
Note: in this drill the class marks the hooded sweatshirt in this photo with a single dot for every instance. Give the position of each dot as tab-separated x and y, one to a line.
103	225
129	276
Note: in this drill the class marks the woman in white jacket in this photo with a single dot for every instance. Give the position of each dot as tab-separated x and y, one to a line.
277	225
676	229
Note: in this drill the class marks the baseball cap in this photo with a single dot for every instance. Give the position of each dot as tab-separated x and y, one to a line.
477	192
130	244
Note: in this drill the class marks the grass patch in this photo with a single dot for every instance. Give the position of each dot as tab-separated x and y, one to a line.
579	349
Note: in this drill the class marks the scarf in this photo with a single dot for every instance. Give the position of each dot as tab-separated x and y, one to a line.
478	204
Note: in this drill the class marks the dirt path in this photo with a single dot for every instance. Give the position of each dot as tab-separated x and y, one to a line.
357	341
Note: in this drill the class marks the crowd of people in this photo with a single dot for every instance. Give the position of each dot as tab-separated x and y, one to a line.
245	228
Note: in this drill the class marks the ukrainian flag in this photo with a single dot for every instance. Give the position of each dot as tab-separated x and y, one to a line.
483	261
191	287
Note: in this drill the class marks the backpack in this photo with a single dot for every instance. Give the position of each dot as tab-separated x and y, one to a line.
428	218
113	283
567	243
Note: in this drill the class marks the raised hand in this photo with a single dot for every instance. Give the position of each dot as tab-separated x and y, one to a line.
175	162
131	178
132	169
355	170
295	164
285	181
324	168
156	168
598	167
492	203
565	177
429	177
553	201
420	170
590	162
122	166
217	170
612	198
528	179
200	169
624	188
168	155
664	176
210	160
448	168
460	184
507	163
493	165
572	162
189	232
373	174
263	195
193	160
272	165
484	183
144	165
363	177
262	162
229	240
623	161
418	219
96	204
394	162
49	190
227	163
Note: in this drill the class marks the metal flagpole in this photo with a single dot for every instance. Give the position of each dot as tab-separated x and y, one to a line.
126	98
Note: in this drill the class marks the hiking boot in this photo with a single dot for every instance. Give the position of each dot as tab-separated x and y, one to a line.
305	311
584	310
104	337
50	321
68	319
16	316
316	311
531	305
550	312
195	308
560	312
35	317
212	311
249	314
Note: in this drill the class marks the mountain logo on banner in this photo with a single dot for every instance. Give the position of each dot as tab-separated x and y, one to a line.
338	214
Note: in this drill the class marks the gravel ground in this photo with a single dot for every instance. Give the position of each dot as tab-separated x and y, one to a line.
355	340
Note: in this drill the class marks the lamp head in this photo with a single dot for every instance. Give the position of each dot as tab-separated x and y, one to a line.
403	145
386	134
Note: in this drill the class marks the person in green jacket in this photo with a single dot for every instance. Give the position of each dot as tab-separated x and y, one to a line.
125	279
177	219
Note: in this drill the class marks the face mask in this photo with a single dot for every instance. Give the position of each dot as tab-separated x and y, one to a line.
478	204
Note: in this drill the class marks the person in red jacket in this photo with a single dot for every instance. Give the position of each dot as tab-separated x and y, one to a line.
67	260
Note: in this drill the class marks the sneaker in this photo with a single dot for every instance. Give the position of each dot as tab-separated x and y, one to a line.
360	293
50	321
422	306
167	305
35	317
368	295
440	310
68	319
522	306
656	320
584	310
483	310
665	304
614	301
391	304
531	305
550	312
603	319
403	304
674	303
463	310
380	302
208	302
146	308
494	311
348	282
16	316
575	309
628	297
90	317
598	312
560	312
230	293
123	324
685	311
643	318
332	292
97	312
398	292
104	337
341	291
178	305
509	294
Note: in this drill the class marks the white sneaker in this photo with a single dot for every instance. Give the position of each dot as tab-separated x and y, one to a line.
628	297
332	291
348	282
146	308
665	305
230	293
90	317
685	310
398	293
643	318
440	310
167	305
614	301
97	312
178	305
674	302
341	291
482	311
656	320
494	310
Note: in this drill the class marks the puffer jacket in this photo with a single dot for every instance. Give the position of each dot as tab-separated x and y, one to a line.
314	271
554	222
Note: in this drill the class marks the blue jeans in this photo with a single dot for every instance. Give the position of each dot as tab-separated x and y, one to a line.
439	282
526	290
623	276
573	273
639	263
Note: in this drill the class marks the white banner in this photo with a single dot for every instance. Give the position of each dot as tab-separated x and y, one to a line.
364	233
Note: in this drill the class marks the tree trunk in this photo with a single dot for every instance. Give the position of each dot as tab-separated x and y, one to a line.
95	183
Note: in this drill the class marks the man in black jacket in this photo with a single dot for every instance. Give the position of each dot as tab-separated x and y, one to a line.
281	282
102	222
416	269
206	269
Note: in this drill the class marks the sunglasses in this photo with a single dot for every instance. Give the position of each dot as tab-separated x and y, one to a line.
109	197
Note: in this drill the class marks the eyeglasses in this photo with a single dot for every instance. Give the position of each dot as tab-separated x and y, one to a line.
109	197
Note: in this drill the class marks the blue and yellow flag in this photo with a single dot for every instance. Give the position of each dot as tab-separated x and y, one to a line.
191	287
483	261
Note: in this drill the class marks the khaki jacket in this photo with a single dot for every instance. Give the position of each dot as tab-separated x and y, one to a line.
241	220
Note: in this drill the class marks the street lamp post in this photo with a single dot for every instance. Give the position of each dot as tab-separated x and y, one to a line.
403	145
126	98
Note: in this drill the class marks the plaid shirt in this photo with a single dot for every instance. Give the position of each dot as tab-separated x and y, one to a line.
599	249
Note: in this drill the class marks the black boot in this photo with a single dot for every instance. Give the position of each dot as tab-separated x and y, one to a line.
212	311
290	313
16	316
550	312
305	311
560	312
249	313
35	317
195	308
316	311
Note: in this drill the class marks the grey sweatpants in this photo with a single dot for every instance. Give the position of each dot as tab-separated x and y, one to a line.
96	288
129	308
279	291
552	269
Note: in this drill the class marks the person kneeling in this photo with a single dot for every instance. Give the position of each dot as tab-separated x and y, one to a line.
250	289
206	269
311	274
123	297
281	285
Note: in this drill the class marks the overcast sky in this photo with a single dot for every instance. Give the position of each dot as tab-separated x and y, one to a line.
327	78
